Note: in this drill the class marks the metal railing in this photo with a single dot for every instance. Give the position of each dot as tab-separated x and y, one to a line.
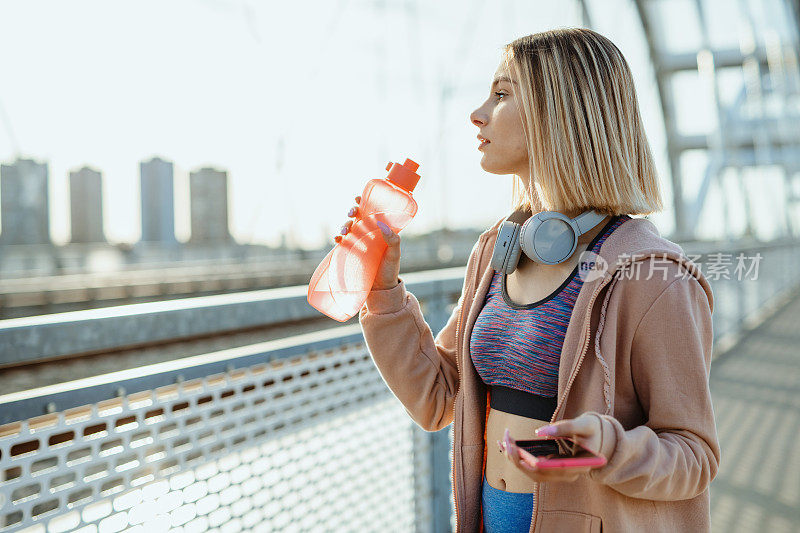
299	433
43	337
740	301
136	447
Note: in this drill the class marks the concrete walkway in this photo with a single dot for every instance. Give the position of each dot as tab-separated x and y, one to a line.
756	393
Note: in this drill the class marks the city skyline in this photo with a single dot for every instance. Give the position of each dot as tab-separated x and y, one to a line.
26	208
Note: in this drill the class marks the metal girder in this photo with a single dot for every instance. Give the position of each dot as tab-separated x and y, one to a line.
672	63
740	140
682	230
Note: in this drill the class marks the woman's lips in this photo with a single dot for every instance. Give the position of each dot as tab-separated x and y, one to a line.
482	144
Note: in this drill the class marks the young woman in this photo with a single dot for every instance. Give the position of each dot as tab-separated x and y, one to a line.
617	360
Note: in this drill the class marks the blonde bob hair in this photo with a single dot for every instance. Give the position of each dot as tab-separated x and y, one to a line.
586	143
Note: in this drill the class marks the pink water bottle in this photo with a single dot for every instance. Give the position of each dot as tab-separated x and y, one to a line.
342	281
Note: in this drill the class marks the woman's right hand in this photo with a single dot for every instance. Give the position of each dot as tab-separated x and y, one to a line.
389	269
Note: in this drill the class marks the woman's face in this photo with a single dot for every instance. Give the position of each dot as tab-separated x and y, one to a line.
499	121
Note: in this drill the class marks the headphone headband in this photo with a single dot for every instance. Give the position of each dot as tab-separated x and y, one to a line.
587	220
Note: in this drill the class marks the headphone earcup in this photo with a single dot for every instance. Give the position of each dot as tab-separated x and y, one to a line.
525	232
555	238
505	255
514	251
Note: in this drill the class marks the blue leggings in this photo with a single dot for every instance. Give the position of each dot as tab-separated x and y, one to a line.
506	512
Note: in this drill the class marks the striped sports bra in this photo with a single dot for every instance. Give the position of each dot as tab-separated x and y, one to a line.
516	349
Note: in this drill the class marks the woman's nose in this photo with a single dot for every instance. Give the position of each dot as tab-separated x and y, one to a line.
476	118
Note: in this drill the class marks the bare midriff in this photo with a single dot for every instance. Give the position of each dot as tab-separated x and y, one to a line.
501	473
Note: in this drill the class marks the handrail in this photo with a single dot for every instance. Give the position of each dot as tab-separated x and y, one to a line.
46	337
70	394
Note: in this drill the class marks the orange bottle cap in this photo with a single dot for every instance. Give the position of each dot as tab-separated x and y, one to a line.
404	175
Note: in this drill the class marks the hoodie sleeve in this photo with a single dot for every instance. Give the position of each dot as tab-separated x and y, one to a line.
419	369
675	454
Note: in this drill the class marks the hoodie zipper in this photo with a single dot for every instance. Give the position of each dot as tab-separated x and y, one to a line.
458	388
585	336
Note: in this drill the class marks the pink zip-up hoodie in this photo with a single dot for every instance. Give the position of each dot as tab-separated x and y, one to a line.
637	354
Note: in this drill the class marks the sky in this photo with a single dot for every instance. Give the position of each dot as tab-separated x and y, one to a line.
302	102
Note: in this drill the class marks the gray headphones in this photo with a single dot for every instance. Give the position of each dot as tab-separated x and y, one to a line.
548	237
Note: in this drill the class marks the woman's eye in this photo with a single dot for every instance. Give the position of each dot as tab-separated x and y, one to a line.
500	94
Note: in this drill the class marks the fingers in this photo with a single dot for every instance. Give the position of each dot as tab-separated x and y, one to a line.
346	226
517	455
586	430
527	463
391	238
527	459
342	232
511	451
580	426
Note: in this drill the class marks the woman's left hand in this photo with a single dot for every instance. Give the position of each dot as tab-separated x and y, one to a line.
585	430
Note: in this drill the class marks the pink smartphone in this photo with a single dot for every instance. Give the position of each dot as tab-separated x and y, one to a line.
550	455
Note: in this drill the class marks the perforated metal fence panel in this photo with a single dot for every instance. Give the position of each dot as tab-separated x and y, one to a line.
310	443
